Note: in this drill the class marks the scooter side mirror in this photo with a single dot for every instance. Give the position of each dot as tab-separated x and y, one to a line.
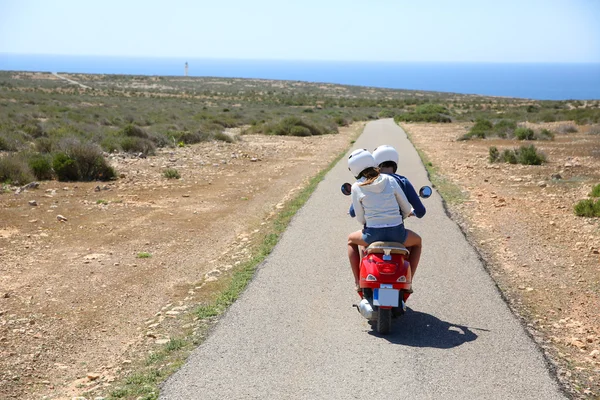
347	189
425	192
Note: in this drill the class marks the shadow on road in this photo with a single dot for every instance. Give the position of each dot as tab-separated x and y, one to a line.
417	329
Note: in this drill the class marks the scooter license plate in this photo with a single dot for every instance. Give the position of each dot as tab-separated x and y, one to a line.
386	297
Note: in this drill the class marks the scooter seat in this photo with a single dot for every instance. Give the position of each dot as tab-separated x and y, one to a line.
384	247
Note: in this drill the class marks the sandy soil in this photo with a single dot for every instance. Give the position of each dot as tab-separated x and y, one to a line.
75	295
543	257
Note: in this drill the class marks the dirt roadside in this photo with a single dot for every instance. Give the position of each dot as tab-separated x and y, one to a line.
544	258
77	295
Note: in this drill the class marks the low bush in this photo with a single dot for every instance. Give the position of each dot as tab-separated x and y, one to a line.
41	166
523	133
132	130
299	131
9	142
224	137
294	126
135	144
526	155
595	191
587	208
425	113
82	162
171	173
480	130
505	128
341	121
14	170
44	145
65	167
386	114
509	156
566	128
111	144
188	137
546	134
494	154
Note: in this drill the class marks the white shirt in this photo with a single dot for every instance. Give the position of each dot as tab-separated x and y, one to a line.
377	205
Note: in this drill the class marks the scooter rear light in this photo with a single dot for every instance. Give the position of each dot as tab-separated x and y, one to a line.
387	268
371	278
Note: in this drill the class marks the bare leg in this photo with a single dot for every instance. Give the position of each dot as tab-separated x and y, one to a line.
414	242
354	240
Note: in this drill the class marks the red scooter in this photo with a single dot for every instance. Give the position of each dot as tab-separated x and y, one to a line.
385	278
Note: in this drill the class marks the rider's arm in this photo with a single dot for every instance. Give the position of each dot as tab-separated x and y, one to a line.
405	207
358	208
413	199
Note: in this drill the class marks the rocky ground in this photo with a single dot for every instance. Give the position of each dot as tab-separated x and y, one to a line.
544	258
92	274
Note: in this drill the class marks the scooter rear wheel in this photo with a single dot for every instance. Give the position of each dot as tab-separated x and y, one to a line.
384	321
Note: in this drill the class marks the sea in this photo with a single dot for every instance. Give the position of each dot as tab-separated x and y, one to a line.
540	81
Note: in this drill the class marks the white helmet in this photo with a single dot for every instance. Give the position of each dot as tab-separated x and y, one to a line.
360	160
386	153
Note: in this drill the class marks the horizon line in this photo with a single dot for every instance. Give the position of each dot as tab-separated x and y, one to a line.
301	60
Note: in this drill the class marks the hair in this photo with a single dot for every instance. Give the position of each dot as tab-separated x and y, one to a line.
387	164
370	174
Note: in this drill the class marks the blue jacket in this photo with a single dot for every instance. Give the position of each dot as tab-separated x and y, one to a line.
411	195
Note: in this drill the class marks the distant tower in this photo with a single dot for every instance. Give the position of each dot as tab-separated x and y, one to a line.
186	68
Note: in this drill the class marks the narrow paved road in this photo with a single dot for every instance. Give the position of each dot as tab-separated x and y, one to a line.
71	81
294	335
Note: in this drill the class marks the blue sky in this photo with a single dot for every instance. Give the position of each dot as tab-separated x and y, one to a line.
367	30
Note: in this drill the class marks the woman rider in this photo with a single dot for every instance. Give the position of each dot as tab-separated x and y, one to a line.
380	205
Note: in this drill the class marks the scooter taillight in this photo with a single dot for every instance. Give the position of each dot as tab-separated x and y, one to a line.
387	268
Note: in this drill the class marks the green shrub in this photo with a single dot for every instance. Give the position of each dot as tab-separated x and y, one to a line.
425	113
566	128
14	170
189	137
134	131
82	161
294	126
480	130
224	137
523	133
340	121
171	173
509	156
387	114
494	154
587	208
110	144
546	134
90	162
548	116
41	166
528	155
44	145
299	131
138	145
505	128
65	167
8	142
595	191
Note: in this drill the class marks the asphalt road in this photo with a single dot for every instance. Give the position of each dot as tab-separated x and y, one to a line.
295	335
